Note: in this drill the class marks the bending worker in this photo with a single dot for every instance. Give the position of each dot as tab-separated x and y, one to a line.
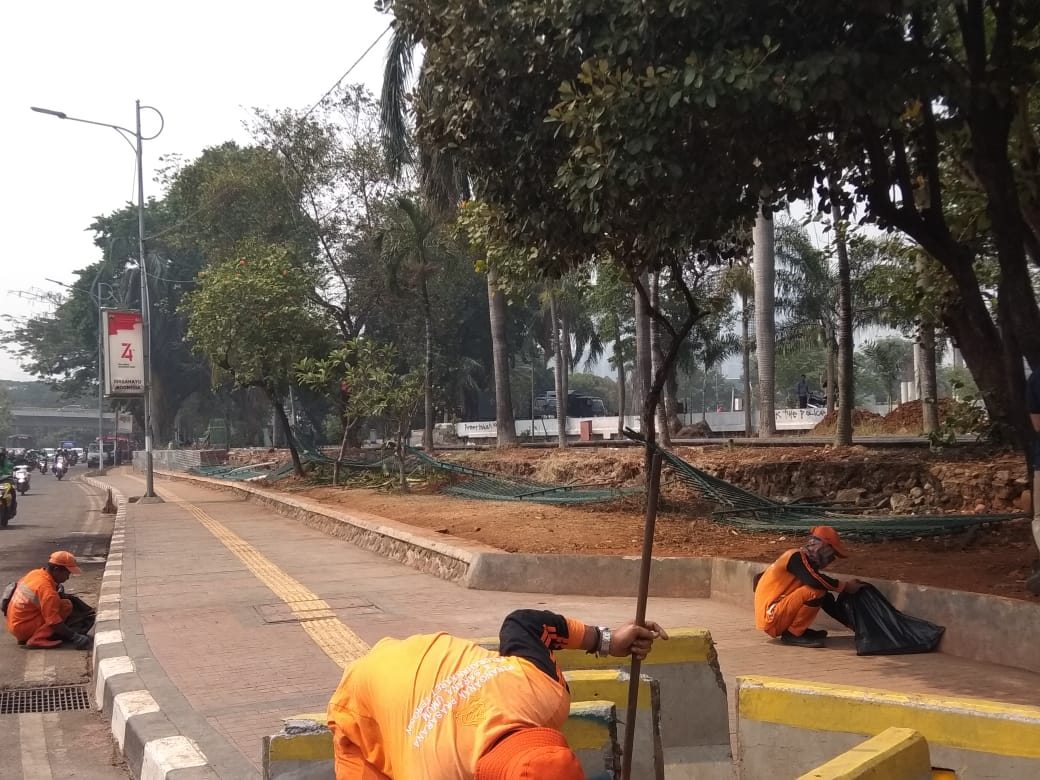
436	707
790	593
39	615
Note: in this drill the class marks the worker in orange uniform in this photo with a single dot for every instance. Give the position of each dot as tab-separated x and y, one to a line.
790	593
39	615
436	707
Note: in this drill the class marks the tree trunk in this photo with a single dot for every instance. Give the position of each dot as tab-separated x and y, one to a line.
765	323
644	364
657	360
565	352
560	370
342	452
830	372
846	389
745	350
619	361
427	442
929	387
929	384
283	420
505	422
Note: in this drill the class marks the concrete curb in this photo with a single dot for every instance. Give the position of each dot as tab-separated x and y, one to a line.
152	745
990	629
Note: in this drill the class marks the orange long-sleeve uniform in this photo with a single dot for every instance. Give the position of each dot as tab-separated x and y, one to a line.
36	606
789	594
428	707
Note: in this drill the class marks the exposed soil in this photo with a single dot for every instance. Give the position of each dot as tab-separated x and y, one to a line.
995	559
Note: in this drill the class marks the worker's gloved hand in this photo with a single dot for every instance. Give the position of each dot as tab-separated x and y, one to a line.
81	641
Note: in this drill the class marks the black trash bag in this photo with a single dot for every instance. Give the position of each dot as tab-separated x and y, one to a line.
881	629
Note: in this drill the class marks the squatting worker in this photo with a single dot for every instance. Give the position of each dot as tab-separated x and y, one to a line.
41	616
790	593
436	707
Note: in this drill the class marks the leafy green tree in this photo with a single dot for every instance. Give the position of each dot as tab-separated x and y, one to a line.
888	358
5	413
366	375
414	246
250	317
334	158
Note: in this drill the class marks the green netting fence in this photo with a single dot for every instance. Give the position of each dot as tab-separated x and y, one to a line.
486	485
752	512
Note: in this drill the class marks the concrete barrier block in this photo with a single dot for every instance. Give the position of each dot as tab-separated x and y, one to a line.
894	754
591	731
696	740
800	725
611	685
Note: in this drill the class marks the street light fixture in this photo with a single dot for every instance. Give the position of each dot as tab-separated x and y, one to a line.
137	144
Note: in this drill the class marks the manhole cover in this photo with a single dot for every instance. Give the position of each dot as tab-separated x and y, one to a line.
49	698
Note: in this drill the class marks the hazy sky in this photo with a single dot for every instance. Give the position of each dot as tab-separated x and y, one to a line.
202	64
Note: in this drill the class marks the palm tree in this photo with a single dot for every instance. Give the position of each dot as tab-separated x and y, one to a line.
765	323
411	243
445	185
738	280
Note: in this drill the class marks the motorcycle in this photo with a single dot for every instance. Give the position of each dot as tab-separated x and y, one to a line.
8	501
21	479
60	467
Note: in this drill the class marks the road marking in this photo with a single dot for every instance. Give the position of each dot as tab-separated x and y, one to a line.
330	633
33	742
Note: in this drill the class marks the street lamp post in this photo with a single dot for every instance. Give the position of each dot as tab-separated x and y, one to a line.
138	146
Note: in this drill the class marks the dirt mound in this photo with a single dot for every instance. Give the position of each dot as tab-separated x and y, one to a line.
909	417
861	419
698	430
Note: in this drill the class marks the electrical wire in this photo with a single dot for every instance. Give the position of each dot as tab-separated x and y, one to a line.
351	68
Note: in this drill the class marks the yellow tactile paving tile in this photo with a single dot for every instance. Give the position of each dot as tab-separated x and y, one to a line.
327	631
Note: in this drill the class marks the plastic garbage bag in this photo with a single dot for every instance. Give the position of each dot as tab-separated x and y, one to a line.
881	629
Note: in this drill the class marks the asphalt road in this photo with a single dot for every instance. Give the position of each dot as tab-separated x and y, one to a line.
55	515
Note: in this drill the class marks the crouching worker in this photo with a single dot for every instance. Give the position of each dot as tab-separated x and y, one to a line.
39	615
436	707
791	592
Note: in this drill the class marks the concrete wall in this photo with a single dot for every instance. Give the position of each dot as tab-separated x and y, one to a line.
590	575
302	750
180	460
800	725
894	754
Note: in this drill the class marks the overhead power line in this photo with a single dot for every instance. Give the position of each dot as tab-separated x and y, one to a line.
349	70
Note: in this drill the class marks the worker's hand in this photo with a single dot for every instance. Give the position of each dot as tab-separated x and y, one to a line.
634	639
851	586
81	641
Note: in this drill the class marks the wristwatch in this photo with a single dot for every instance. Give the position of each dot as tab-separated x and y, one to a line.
604	642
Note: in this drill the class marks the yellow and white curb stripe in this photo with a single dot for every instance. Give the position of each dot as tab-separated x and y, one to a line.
148	740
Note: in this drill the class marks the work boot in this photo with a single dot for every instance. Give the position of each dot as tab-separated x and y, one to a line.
816	633
805	640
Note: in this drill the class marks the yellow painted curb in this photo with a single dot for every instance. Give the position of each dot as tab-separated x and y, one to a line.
967	724
588	726
605	685
301	747
894	754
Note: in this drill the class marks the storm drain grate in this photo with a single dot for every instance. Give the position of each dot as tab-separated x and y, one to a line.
48	698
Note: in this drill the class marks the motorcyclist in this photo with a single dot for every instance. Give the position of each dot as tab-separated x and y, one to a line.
7	473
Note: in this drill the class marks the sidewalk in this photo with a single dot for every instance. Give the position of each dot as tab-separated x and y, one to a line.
237	617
